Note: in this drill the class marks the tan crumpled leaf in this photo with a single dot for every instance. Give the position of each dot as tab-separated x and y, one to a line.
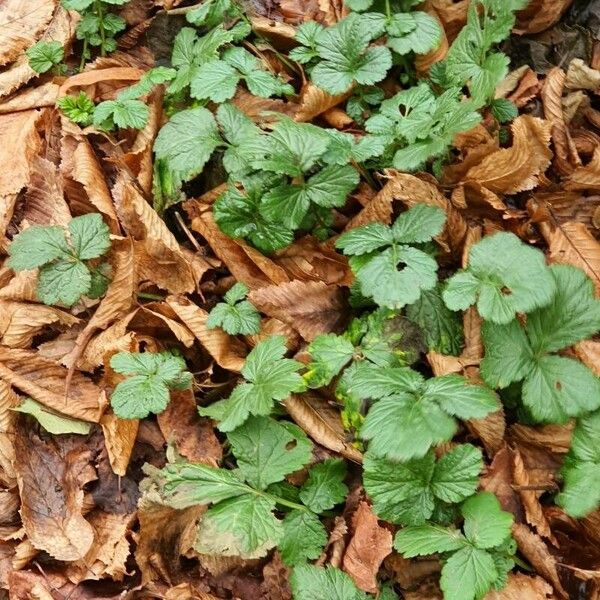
41	96
322	423
21	287
540	15
537	554
20	26
530	498
497	478
314	101
522	587
411	190
20	321
586	177
582	77
369	545
159	258
566	157
108	554
100	75
44	380
276	579
51	474
61	29
588	352
310	307
155	318
119	439
518	168
452	13
8	400
227	351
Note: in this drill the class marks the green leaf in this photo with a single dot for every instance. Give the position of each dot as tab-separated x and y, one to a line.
80	108
269	377
50	421
90	236
124	113
486	524
44	55
468	574
151	376
427	539
267	450
413	32
304	537
36	246
504	110
315	583
235	315
63	282
325	485
421	223
365	239
186	142
443	328
243	526
504	277
329	354
215	80
407	493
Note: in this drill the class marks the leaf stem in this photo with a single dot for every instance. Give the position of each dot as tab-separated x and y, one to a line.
83	55
98	7
147	296
388	9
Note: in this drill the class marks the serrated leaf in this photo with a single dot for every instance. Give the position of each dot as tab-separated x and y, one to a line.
428	539
325	485
413	32
486	524
80	108
90	236
44	55
36	246
63	281
215	80
304	537
267	450
468	574
329	354
51	422
316	583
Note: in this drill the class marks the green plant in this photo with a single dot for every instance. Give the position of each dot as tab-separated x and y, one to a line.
504	277
268	377
236	315
422	489
150	377
409	414
377	250
240	520
477	559
44	56
67	266
554	387
315	583
80	108
581	469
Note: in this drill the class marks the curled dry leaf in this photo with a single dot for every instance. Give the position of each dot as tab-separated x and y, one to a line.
119	439
565	154
96	76
42	96
322	423
8	400
21	287
582	77
158	320
44	380
498	479
227	351
314	102
20	26
60	29
540	15
586	177
51	474
408	573
519	167
193	436
523	587
158	255
533	548
423	62
452	14
369	545
310	307
20	321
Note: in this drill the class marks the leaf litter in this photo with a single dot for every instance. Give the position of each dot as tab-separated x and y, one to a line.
299	300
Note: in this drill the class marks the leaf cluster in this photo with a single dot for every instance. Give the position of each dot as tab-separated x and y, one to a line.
236	315
44	56
66	258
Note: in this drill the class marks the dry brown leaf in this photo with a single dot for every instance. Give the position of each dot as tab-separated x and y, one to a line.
107	557
60	29
258	108
193	436
572	243
336	117
586	177
311	307
272	29
119	439
21	287
227	351
8	400
537	554
553	438
159	258
20	321
565	154
322	423
523	587
276	579
108	342
582	77
530	498
314	101
423	62
490	430
20	26
44	380
498	479
41	96
156	319
452	13
51	474
99	75
588	352
369	545
519	167
540	15
408	573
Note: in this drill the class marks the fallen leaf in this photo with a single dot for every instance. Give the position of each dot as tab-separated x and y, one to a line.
314	102
582	77
522	587
498	479
42	96
51	474
369	545
519	167
586	177
312	308
8	400
119	439
540	15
